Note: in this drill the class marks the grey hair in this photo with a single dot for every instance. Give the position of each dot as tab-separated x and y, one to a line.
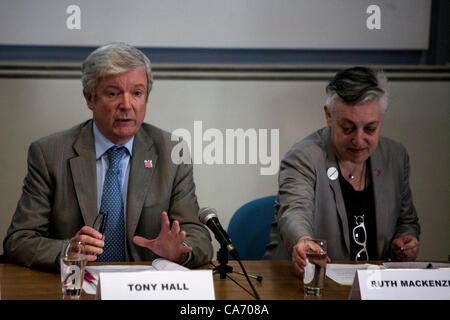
358	85
111	59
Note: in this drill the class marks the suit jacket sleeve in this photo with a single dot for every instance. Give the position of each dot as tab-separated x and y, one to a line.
184	208
296	197
408	222
27	241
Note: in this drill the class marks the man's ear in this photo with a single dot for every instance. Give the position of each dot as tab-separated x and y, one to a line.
327	115
89	99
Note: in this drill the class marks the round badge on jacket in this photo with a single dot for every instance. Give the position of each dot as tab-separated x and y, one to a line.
332	173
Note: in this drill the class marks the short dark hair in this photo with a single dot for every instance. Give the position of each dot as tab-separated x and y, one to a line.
356	85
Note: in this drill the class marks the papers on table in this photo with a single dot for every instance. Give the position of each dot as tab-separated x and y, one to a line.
345	273
415	265
90	287
163	264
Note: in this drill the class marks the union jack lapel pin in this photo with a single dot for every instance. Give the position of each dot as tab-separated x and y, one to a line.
148	163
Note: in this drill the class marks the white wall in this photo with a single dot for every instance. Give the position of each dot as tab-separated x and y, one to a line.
300	24
418	117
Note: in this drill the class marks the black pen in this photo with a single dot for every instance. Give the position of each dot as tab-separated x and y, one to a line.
100	222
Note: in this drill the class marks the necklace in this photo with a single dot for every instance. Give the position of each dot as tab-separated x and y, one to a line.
361	182
351	175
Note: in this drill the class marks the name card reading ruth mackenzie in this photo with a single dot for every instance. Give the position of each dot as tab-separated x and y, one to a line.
404	284
410	283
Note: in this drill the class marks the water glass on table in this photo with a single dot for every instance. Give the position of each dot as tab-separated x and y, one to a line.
72	262
316	256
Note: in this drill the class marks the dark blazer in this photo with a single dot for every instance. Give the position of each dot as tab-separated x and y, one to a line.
309	203
60	196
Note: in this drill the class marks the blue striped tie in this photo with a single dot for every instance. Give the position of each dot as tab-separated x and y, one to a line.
112	203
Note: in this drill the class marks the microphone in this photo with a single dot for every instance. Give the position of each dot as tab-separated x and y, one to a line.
209	217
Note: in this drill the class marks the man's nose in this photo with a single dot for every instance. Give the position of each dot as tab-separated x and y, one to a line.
126	101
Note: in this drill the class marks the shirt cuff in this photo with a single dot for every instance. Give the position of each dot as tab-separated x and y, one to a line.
189	257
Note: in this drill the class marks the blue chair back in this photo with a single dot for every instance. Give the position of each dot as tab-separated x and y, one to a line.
249	227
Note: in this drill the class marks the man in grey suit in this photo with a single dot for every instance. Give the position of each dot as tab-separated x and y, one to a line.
345	183
62	192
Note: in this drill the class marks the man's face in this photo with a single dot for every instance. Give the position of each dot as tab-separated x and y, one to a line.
354	130
120	105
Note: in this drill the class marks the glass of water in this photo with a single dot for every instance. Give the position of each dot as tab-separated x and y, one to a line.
72	262
316	256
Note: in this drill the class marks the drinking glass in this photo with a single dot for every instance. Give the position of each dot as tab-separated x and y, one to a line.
72	262
316	256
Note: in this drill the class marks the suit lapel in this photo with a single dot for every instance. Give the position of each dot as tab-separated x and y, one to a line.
139	181
331	162
84	173
380	195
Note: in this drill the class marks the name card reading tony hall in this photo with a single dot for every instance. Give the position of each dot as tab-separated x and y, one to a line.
401	284
156	285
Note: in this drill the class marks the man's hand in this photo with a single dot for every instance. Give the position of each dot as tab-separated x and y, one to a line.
405	248
93	242
169	243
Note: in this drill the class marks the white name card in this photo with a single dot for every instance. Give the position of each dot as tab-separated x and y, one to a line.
156	285
401	284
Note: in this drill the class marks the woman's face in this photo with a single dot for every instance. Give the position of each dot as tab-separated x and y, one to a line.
354	129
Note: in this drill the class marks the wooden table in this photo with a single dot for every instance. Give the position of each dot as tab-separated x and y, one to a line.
279	283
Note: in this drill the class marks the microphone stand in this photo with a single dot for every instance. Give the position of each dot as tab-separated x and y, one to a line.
223	268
